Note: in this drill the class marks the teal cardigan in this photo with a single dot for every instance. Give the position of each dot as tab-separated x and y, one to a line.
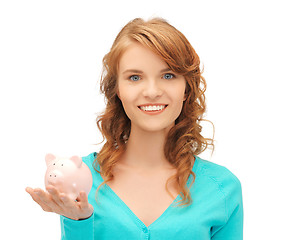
216	211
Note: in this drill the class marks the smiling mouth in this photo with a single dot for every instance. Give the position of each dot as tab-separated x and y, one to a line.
152	108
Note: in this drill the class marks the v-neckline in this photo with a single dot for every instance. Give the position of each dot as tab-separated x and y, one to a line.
134	217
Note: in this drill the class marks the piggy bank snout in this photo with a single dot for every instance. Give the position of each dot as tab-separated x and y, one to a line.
54	176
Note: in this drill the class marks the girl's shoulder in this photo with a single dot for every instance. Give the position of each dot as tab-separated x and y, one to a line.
90	157
216	174
89	160
221	186
204	167
93	165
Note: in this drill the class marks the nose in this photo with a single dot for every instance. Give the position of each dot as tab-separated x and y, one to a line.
152	89
53	176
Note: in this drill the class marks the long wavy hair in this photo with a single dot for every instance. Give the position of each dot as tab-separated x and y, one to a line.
184	140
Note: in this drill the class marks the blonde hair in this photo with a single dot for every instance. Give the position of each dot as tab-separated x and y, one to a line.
184	140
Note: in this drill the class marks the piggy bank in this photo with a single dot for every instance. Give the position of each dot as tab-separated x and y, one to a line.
68	175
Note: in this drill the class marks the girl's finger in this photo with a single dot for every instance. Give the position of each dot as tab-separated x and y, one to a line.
35	196
67	202
45	197
86	209
55	195
83	200
28	190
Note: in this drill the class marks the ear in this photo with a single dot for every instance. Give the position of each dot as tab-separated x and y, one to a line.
49	158
77	161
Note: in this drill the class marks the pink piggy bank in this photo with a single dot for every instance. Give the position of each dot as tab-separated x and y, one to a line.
68	175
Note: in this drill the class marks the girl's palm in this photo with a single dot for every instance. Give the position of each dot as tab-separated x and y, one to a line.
60	203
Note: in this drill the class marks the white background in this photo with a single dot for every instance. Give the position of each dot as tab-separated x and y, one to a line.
50	65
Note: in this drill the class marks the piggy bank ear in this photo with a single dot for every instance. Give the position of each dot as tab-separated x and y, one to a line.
49	158
76	160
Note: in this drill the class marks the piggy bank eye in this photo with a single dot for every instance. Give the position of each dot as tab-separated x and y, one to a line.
62	165
54	164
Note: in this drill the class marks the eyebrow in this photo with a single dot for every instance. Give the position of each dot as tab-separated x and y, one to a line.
139	71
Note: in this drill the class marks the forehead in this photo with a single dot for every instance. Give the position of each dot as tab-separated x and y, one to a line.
139	57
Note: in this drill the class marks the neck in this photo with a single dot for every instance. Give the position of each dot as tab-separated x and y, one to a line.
145	150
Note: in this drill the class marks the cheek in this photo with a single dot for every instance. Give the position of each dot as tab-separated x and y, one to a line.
125	96
121	92
178	97
127	93
178	92
128	99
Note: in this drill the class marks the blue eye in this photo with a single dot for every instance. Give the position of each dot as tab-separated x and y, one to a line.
134	78
168	76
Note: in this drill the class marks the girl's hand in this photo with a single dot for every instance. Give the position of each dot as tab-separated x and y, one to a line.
60	203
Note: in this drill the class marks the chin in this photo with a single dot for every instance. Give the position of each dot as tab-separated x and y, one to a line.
158	128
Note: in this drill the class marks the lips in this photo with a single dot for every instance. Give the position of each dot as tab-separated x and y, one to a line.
152	107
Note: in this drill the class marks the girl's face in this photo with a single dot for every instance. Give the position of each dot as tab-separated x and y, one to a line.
152	95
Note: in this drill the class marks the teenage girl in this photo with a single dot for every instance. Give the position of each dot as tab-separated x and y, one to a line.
148	181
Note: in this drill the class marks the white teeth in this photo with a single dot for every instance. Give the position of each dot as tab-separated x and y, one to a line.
152	108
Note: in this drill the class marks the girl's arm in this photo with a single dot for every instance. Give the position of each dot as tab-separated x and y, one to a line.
233	227
77	229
